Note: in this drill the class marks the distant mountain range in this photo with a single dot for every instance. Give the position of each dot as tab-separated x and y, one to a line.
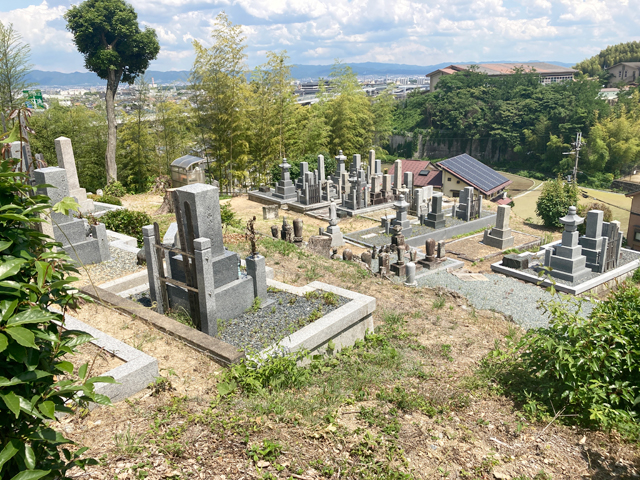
302	72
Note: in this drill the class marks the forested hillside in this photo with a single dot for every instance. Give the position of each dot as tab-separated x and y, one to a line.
623	52
530	125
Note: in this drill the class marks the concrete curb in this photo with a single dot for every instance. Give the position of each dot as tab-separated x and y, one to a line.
123	242
138	371
343	326
218	350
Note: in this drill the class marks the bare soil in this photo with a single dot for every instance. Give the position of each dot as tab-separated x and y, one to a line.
100	361
471	248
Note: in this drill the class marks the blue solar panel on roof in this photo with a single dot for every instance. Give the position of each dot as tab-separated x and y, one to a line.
475	172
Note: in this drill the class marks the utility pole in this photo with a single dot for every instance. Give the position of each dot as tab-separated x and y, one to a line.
577	145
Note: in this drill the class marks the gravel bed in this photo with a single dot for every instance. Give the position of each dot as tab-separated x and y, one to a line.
383	239
287	313
625	257
506	295
122	263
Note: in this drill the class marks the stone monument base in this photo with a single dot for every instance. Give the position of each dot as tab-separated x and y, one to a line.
400	269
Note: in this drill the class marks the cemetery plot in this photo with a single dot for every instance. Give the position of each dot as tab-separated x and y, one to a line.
579	263
259	328
472	249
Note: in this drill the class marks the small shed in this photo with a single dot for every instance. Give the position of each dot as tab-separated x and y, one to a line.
187	170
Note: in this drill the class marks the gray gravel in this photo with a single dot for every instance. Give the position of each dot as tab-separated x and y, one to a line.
254	331
122	263
511	297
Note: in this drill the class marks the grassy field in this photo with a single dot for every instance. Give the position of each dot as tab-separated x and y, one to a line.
525	206
520	184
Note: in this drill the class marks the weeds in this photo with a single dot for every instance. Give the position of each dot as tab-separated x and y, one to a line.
439	302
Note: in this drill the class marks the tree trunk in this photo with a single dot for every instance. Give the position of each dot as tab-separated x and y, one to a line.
110	157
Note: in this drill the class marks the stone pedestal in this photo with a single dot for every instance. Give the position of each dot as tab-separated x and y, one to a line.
256	269
270	212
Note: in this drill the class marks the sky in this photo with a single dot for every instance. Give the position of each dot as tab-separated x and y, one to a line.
319	31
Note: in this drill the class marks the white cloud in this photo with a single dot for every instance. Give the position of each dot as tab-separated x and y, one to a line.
32	23
398	31
592	10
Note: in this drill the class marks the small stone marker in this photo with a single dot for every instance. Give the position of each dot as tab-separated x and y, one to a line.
270	212
320	245
366	258
297	231
500	236
347	254
274	231
411	275
516	261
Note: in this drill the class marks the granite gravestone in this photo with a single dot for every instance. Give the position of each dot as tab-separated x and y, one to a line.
333	230
222	291
500	236
66	160
435	218
85	244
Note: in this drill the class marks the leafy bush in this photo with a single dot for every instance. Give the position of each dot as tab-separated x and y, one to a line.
36	383
128	222
636	276
587	368
597	180
110	199
114	189
554	201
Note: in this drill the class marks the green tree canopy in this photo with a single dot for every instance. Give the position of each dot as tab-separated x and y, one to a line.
107	34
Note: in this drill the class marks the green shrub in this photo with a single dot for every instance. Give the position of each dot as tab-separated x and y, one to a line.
636	276
128	222
36	383
228	216
588	368
110	199
114	189
554	201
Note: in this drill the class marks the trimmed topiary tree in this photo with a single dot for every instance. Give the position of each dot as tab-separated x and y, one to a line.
36	383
